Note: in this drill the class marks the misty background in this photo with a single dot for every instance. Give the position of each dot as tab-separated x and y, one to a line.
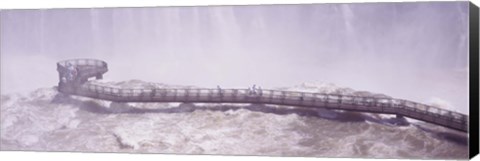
415	51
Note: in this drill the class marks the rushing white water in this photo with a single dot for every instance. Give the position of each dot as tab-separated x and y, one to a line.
45	120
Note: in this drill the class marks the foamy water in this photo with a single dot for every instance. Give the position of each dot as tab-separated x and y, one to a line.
45	120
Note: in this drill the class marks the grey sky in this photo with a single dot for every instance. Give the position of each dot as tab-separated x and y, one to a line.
417	51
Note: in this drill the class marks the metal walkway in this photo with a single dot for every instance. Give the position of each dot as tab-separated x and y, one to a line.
88	68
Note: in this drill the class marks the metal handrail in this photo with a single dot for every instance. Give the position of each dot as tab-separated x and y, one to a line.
350	101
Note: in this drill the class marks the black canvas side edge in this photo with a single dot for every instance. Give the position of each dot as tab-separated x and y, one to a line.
474	81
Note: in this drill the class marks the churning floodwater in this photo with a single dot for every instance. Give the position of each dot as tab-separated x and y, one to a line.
413	51
46	120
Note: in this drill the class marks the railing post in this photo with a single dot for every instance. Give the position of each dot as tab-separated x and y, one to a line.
152	95
302	98
209	95
235	91
174	94
340	100
220	94
198	94
327	99
314	99
187	94
382	106
271	96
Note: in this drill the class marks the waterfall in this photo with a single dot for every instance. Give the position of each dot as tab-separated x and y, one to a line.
390	48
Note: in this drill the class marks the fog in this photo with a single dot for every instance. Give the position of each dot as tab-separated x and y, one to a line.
415	51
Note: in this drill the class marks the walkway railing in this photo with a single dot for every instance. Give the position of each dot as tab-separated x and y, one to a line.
401	107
